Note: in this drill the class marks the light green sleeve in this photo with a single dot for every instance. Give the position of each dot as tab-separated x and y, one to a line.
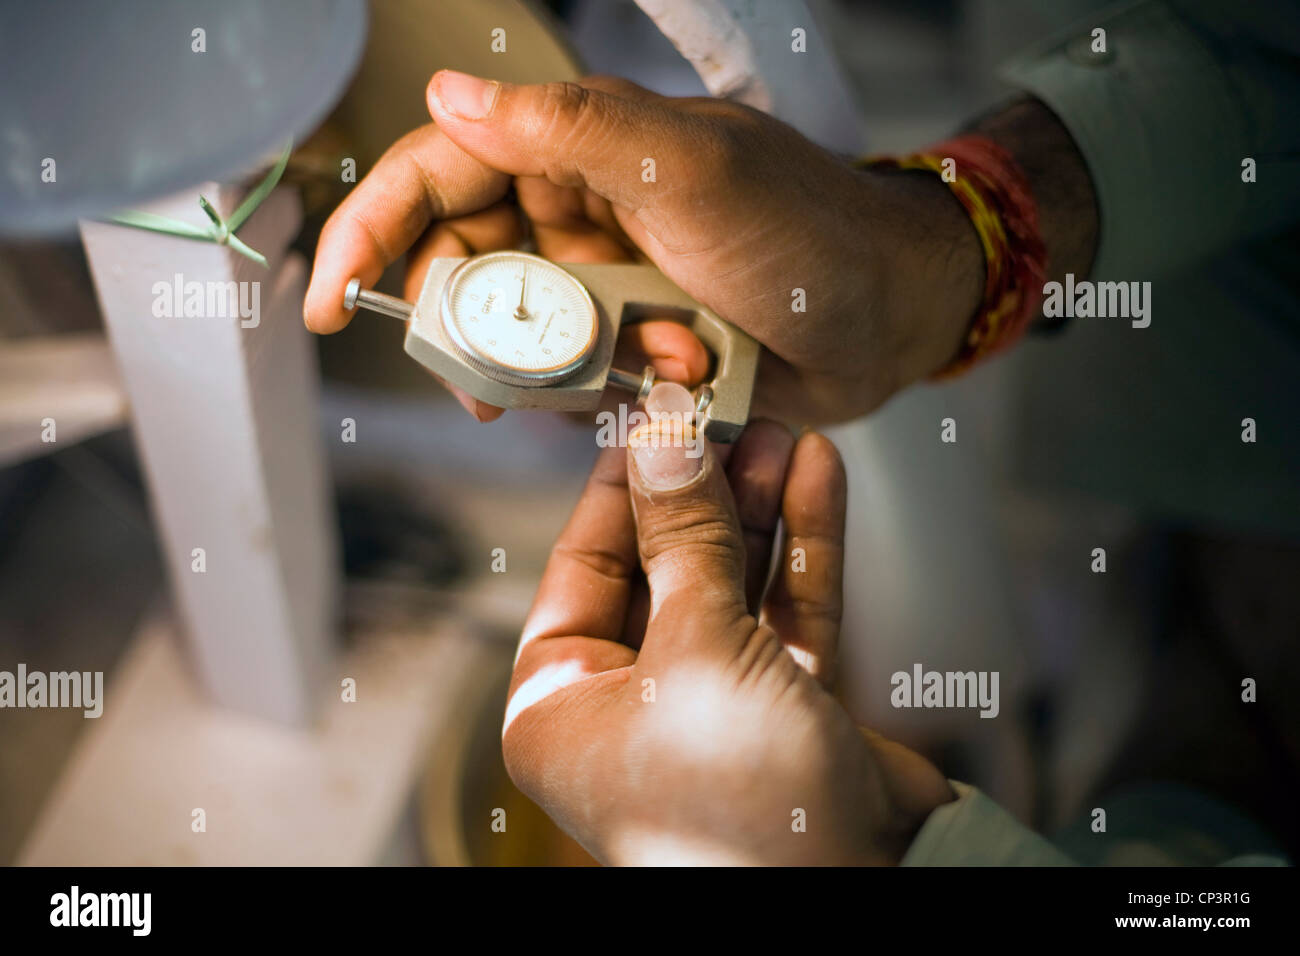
1184	92
975	831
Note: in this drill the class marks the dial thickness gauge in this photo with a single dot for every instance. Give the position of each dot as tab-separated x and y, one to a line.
519	331
518	318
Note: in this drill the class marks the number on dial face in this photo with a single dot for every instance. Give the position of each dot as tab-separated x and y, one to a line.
522	318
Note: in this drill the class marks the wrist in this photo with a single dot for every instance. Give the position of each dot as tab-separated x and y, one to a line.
1059	178
932	269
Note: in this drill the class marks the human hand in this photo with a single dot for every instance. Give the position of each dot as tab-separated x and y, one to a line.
683	715
741	212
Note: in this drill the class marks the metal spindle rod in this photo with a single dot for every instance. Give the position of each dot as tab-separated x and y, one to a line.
355	296
640	385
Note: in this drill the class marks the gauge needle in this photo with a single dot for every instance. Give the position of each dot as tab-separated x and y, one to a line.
521	312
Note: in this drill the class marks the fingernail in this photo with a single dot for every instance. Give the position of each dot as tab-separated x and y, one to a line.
669	398
466	96
662	457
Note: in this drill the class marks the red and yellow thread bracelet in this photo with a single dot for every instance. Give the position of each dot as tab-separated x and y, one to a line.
996	195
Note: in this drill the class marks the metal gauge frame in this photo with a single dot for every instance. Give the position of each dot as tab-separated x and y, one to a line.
618	293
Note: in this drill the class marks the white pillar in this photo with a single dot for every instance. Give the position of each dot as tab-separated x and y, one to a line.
223	406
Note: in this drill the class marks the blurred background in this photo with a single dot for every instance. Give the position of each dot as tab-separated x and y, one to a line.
377	553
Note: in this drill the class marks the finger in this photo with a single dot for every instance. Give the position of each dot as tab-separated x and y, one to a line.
574	135
563	226
497	227
440	242
577	225
422	177
689	541
757	473
571	634
557	722
602	212
584	589
806	601
619	86
638	614
557	664
671	347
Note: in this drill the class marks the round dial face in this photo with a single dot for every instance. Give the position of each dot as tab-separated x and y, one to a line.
519	318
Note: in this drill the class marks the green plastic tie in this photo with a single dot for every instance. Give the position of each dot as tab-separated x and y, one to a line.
221	231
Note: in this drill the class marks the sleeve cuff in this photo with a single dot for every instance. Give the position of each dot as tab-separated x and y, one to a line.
1157	121
975	831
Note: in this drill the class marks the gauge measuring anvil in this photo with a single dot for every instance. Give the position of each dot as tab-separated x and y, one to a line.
519	331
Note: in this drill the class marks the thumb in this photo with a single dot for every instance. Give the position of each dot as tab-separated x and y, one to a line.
571	134
688	535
